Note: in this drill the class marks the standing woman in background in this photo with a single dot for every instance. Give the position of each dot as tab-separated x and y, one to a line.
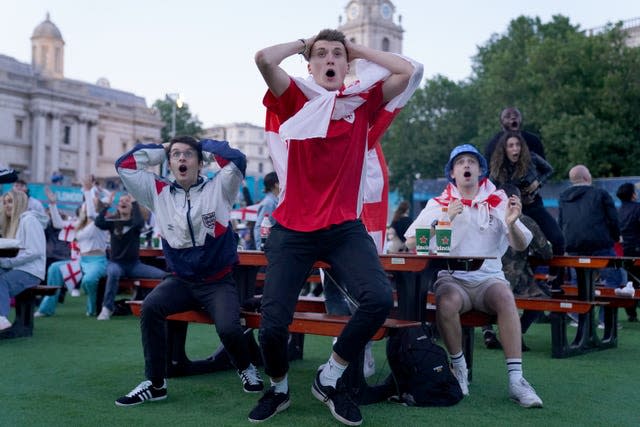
513	163
27	268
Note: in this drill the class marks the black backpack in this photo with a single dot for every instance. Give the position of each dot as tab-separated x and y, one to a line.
420	369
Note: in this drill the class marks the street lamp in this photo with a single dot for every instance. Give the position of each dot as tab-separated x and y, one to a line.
176	100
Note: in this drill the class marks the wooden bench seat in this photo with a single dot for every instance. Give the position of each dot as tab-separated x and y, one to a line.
606	295
25	306
314	322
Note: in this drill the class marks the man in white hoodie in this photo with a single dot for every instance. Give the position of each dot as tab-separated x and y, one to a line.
483	222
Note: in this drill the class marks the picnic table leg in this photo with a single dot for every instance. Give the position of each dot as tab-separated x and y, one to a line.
468	340
23	322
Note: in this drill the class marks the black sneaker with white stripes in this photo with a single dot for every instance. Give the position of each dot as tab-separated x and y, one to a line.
145	391
251	381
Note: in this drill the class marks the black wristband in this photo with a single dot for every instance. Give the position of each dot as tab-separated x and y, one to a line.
304	47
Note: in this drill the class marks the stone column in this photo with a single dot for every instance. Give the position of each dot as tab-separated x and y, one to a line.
38	146
55	142
93	146
81	173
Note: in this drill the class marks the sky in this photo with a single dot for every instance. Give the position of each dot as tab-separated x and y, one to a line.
204	49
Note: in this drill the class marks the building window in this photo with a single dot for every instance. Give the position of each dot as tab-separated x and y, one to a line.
260	167
124	146
19	128
260	150
100	146
385	44
66	140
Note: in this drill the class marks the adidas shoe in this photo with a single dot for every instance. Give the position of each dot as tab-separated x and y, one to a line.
342	407
628	291
462	375
522	393
143	392
251	381
105	313
269	404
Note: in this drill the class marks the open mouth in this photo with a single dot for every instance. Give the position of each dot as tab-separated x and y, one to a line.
330	73
182	168
467	174
514	125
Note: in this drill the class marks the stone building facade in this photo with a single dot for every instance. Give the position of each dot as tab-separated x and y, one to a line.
49	123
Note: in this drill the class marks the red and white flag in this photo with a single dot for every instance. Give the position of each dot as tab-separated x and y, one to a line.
71	274
312	121
247	213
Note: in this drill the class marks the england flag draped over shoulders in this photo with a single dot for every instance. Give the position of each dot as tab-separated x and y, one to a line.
312	121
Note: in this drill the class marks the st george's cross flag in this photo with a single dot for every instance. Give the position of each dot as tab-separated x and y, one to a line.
312	121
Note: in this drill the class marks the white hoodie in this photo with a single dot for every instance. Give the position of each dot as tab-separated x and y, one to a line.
33	253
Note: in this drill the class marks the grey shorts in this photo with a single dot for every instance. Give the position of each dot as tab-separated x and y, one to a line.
472	293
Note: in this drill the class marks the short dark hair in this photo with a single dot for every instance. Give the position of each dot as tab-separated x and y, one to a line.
270	181
190	141
626	191
331	36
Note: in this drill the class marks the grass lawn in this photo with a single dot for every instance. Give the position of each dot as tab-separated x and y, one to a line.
74	367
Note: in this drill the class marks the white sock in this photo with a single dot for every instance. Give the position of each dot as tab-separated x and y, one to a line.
281	386
514	369
331	372
458	360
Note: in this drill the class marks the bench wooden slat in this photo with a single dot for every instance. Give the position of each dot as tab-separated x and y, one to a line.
303	322
546	304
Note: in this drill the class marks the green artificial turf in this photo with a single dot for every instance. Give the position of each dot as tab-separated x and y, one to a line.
74	367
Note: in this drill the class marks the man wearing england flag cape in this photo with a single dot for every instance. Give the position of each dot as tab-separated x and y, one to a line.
321	136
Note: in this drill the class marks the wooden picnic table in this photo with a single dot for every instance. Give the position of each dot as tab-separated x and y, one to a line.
586	338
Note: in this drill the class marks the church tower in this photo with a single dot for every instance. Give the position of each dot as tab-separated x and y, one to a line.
47	50
371	23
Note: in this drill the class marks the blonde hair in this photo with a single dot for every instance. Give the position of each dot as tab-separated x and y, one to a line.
20	205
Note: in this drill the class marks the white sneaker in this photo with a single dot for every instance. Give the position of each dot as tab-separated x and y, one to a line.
4	323
75	292
105	314
628	291
369	367
462	375
39	314
522	393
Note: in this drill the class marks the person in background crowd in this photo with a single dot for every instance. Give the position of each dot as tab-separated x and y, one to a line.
629	217
400	222
92	243
34	204
589	222
267	205
514	164
124	260
519	274
26	269
511	121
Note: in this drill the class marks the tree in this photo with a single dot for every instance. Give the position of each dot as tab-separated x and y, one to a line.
578	91
186	124
438	117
